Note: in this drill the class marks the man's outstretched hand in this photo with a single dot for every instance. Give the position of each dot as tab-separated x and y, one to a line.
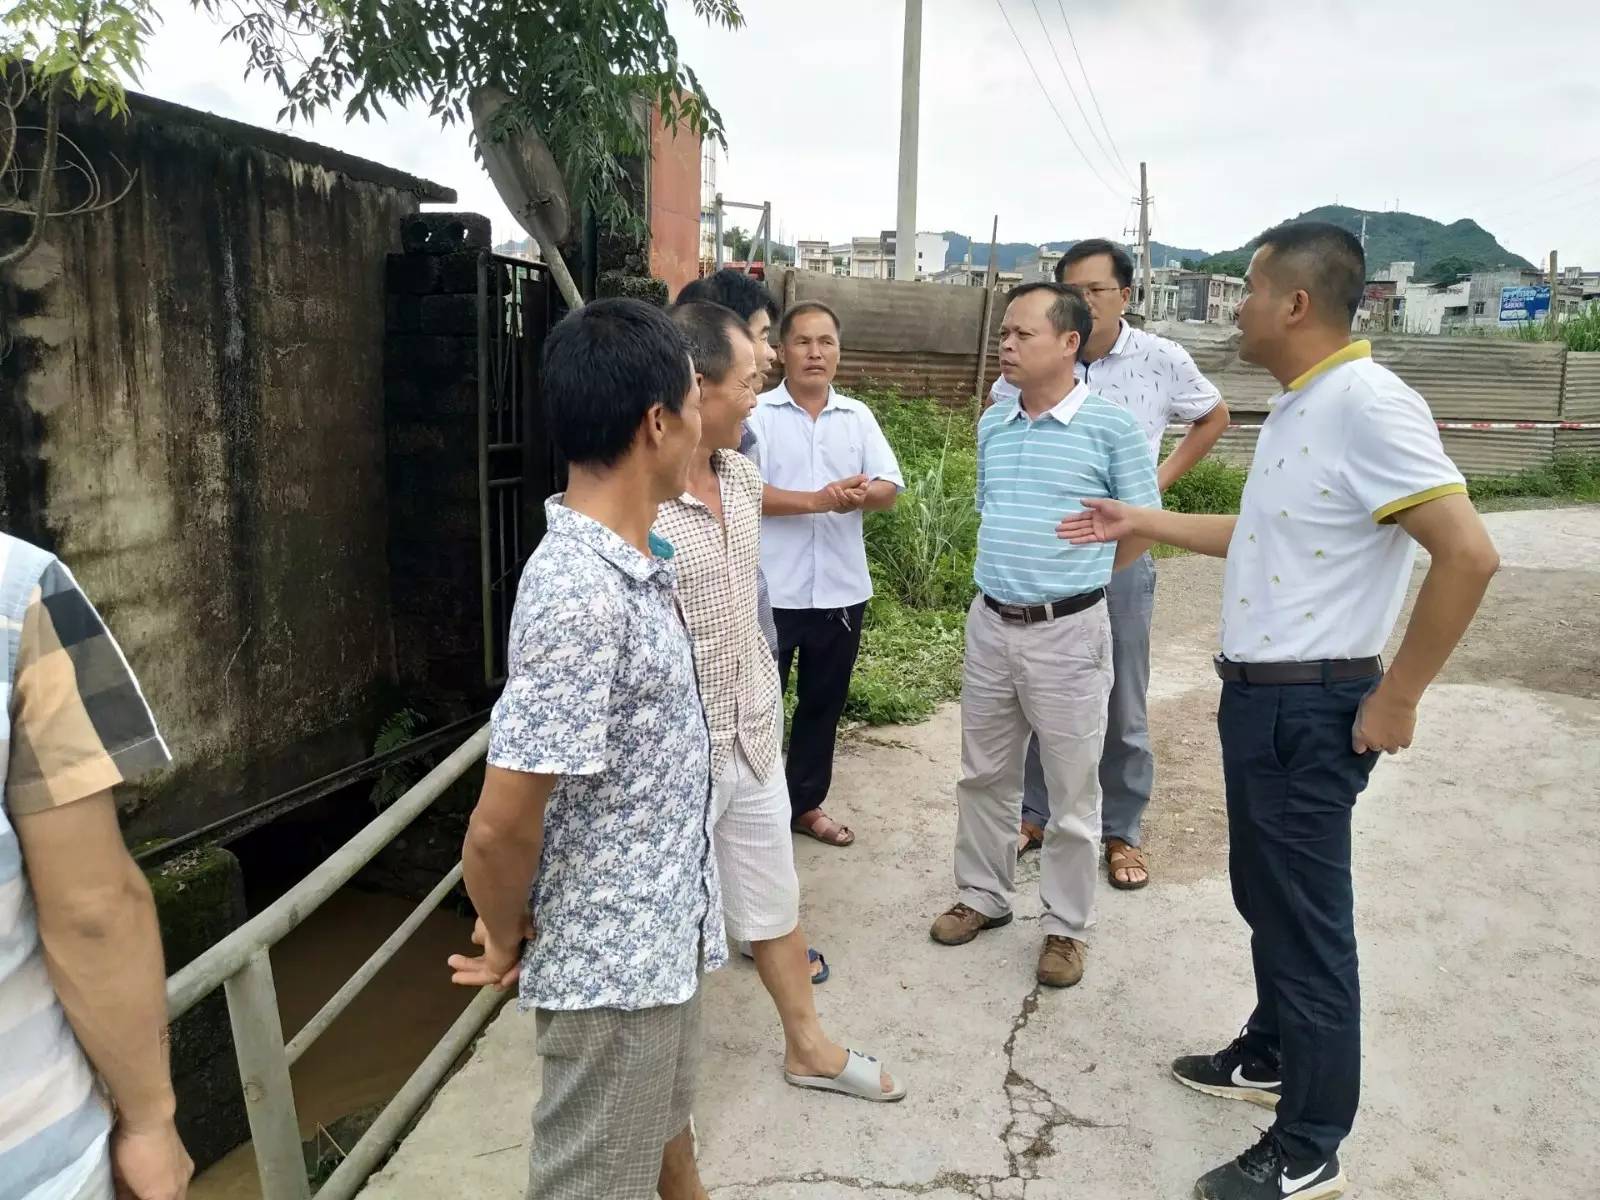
497	966
1101	520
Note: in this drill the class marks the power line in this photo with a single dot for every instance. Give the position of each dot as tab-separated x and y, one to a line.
1062	6
1073	92
1522	191
1046	91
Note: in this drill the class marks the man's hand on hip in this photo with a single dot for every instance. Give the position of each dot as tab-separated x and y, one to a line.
149	1162
1385	721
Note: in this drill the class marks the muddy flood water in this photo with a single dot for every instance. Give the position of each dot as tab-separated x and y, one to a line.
369	1052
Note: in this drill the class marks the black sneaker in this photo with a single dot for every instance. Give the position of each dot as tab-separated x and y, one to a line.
1263	1173
1235	1073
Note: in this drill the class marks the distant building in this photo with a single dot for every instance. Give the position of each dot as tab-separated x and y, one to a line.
1040	266
1164	288
933	249
872	257
967	275
1208	299
813	256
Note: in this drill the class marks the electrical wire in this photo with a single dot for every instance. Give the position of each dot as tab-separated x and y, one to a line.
1059	119
1095	99
1073	92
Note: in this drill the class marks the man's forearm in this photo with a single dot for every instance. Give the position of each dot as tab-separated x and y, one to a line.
499	865
103	952
780	502
1202	533
881	495
1195	445
1449	598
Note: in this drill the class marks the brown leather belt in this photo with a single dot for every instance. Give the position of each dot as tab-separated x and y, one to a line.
1028	614
1280	674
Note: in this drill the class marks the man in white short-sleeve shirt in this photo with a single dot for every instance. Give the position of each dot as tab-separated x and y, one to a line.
1349	476
1157	382
825	463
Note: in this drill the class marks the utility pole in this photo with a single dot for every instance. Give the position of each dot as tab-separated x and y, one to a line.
1144	244
988	309
905	243
1555	302
1363	233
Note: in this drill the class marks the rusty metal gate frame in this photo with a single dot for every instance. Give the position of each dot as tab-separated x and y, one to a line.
515	467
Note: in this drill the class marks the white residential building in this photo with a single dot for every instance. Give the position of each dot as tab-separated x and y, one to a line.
933	250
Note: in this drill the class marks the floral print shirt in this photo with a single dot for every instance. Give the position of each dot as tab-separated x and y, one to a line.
602	694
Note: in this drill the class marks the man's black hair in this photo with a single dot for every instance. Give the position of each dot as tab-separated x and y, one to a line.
796	311
1121	260
1323	259
710	329
605	366
731	288
1069	313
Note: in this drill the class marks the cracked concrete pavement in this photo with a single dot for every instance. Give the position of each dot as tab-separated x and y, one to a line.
1478	889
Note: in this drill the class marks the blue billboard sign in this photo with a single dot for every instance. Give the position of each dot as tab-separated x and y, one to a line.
1524	303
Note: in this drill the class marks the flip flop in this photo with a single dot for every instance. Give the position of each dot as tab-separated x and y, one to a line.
821	976
862	1077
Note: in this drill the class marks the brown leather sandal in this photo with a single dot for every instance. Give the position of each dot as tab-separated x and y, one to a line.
819	825
1122	857
1030	838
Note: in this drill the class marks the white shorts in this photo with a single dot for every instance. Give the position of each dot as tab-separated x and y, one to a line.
755	851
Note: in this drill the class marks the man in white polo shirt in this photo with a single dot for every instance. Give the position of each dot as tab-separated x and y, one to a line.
1349	476
1157	382
825	462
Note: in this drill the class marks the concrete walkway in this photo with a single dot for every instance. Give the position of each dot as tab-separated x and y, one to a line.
1478	884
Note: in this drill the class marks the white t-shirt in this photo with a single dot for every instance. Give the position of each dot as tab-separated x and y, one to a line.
1151	376
818	561
1317	569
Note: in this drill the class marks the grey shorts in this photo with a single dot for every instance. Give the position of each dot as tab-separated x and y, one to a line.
618	1086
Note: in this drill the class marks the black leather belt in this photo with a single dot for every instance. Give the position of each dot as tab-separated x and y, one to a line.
1028	614
1279	674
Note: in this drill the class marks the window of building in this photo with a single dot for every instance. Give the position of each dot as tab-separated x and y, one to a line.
1477	308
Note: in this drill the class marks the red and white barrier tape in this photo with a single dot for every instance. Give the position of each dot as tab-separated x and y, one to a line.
1473	425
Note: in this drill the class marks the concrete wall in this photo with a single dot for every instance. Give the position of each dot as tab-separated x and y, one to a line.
192	418
923	339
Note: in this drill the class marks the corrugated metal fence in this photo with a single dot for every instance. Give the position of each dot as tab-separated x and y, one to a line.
923	339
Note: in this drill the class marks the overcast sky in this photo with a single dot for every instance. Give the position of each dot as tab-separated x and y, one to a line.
1248	111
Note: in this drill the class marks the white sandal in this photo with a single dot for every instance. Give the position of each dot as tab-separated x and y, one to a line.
862	1077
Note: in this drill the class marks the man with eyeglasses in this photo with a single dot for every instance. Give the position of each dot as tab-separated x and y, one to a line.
1158	383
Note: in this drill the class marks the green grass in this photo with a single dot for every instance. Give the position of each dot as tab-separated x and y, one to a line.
921	551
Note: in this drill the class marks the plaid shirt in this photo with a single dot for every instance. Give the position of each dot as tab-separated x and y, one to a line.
73	724
717	570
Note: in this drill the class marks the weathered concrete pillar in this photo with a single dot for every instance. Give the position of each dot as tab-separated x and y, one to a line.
199	901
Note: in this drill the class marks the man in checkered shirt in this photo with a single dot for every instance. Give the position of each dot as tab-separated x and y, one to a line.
715	529
86	1100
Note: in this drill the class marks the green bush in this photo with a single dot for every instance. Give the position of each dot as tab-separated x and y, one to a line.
1210	487
1569	477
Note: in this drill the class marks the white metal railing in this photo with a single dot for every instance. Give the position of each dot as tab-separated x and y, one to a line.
241	966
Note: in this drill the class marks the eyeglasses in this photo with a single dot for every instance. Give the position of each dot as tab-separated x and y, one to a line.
1095	289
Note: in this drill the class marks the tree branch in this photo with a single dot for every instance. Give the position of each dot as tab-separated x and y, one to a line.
47	174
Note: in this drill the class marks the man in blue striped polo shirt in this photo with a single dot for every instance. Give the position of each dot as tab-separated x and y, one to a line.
1038	637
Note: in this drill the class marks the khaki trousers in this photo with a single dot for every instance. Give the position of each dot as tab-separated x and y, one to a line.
1052	677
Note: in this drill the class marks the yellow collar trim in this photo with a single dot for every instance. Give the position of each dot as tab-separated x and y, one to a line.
1355	350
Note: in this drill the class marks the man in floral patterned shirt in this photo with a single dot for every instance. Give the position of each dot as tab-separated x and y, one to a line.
597	792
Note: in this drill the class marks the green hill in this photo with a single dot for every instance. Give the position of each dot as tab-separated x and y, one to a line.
1008	254
1398	237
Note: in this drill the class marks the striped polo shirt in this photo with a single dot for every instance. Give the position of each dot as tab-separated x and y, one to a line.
73	724
1033	472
